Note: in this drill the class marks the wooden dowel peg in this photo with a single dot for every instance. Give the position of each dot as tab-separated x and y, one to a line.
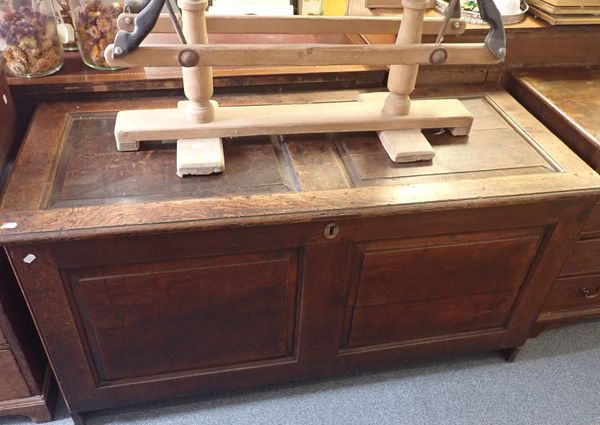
402	78
197	80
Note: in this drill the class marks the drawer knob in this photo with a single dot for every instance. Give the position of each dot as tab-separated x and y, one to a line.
331	231
587	294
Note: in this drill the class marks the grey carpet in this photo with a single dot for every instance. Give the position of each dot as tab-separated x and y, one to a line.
554	381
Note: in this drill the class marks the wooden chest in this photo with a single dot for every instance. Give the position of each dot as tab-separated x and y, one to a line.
310	255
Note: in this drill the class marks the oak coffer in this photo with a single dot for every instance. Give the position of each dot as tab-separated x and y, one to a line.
309	255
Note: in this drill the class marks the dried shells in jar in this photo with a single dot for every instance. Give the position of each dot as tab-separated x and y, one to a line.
96	26
31	46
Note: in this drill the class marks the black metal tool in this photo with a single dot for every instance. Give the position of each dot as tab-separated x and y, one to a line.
495	41
175	20
135	6
126	42
451	11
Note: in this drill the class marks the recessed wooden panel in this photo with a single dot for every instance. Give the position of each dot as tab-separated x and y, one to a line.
91	170
430	287
12	384
399	322
570	293
493	148
444	271
316	162
584	258
194	314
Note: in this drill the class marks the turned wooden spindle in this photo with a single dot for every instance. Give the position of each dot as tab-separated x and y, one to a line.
197	80
402	78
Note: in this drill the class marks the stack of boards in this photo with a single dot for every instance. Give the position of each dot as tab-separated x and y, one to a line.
566	12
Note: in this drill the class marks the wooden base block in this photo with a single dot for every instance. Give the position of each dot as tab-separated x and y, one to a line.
406	145
128	146
200	156
363	115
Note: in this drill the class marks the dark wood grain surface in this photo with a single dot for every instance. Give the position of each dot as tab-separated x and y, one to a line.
146	286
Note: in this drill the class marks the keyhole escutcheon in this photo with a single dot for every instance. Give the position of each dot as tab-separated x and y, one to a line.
331	231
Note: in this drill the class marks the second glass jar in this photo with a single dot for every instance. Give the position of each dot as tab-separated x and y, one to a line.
96	27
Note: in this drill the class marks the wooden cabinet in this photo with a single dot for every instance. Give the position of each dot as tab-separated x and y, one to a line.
26	384
567	101
305	258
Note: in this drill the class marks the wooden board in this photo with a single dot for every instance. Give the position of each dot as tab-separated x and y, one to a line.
564	19
583	3
564	10
365	115
300	24
304	55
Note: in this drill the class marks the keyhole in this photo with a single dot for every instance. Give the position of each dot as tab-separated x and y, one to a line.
331	231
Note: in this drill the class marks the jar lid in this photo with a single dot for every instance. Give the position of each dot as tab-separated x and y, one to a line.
66	33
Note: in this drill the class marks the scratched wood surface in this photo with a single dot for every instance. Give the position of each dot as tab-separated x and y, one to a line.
102	186
91	171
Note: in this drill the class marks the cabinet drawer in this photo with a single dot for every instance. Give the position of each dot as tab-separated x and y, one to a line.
584	258
12	384
574	293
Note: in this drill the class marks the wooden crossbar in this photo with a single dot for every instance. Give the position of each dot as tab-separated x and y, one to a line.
304	54
363	115
301	25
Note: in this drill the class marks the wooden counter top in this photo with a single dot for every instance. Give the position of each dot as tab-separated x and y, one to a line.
567	100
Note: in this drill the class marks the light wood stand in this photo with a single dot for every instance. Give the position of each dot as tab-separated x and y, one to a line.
397	119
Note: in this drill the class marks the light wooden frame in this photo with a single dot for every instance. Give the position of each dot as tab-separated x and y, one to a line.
388	113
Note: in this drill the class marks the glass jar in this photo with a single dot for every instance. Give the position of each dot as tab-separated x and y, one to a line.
28	38
96	27
64	25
